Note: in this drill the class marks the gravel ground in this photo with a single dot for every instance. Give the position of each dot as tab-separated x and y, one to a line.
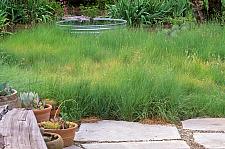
187	135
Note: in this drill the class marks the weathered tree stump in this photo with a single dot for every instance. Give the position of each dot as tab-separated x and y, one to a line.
19	130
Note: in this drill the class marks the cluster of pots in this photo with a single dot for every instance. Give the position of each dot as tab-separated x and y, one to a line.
62	137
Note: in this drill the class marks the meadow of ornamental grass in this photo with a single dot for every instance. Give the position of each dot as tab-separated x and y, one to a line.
125	74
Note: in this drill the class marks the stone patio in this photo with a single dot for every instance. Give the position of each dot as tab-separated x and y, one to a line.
206	132
210	140
128	135
114	131
205	124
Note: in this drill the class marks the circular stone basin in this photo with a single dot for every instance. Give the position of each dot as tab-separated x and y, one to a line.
81	24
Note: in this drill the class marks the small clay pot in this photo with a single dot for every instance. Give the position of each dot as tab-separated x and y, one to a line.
57	143
66	134
11	100
43	115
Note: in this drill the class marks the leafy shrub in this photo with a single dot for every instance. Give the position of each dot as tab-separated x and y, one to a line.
148	11
180	8
56	6
102	3
90	2
91	11
140	11
3	22
30	11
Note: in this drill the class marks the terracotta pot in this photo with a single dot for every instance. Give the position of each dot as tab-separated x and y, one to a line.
54	144
53	112
11	100
43	115
66	134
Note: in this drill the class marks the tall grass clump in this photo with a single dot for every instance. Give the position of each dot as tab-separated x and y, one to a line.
121	74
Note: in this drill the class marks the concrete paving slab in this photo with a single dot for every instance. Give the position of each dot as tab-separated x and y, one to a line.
210	140
110	131
139	145
213	124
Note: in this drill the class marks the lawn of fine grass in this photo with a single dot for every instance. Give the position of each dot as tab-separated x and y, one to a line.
124	74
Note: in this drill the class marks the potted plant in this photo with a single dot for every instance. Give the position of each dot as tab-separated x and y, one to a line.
8	96
53	140
55	111
61	126
65	129
40	108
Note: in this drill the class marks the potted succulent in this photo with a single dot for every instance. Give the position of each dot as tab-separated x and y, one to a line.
8	96
40	108
53	140
55	111
65	129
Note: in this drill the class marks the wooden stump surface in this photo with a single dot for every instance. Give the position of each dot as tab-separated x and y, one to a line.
19	130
